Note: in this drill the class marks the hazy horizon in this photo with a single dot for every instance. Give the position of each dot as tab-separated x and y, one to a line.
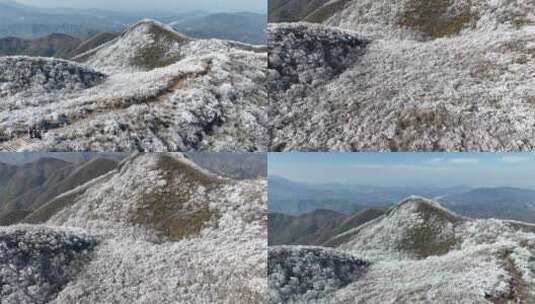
439	170
181	6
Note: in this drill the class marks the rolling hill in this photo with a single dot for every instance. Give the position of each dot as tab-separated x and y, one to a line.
170	230
416	252
412	75
149	89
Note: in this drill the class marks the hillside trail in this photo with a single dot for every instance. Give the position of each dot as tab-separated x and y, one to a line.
118	106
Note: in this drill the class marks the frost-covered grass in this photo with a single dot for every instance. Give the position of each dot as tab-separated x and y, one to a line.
428	19
299	274
207	95
468	92
450	75
224	260
38	261
29	77
422	253
163	256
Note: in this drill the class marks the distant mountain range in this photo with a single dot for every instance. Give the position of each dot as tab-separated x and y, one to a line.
245	27
77	25
503	202
294	198
53	45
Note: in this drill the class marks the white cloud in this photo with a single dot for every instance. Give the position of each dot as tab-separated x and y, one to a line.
464	161
514	159
403	167
435	160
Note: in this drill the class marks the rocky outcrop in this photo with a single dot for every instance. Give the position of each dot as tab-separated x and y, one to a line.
32	76
37	262
303	274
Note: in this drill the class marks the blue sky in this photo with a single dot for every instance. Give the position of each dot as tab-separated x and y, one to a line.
165	5
408	169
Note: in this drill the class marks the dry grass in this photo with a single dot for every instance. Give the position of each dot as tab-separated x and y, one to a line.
431	18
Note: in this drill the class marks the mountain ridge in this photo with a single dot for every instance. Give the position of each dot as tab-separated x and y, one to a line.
157	218
489	259
179	101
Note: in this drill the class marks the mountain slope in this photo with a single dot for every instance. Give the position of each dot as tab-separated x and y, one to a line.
6	172
92	43
145	45
470	88
34	184
32	175
316	227
168	232
309	273
423	20
419	252
305	229
163	92
73	177
291	11
233	165
53	45
415	228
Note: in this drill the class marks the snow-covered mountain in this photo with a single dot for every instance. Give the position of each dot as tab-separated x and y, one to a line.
157	229
157	90
418	252
417	75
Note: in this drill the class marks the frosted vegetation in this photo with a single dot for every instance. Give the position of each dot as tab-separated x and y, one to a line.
160	230
427	75
150	89
418	252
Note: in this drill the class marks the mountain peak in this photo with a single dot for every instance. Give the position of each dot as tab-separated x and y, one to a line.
151	23
416	227
145	45
426	206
